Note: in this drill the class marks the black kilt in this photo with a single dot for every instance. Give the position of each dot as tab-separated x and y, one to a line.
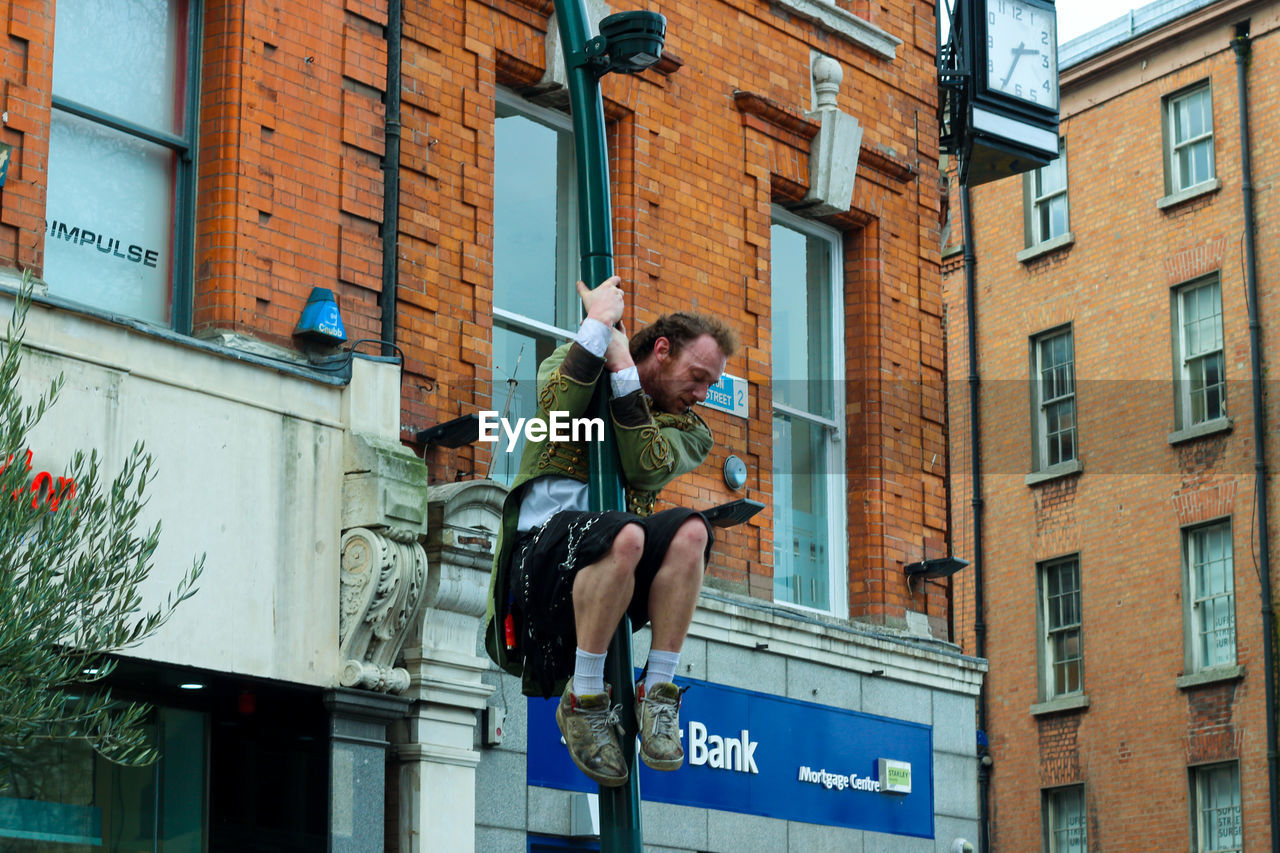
544	563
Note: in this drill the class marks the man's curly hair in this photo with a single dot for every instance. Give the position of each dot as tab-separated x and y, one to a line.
680	328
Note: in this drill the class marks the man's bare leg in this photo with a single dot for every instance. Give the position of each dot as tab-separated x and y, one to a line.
602	590
586	716
673	597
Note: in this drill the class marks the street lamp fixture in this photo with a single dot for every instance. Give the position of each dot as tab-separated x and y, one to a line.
458	432
934	569
629	42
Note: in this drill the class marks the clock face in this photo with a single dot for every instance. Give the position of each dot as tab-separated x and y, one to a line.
1022	51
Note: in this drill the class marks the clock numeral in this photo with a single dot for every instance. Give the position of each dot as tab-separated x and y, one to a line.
1044	61
1044	37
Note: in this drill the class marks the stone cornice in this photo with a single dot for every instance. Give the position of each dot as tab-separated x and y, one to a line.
888	165
775	114
841	646
791	127
844	24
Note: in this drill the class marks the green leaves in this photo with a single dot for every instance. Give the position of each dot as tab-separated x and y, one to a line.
72	562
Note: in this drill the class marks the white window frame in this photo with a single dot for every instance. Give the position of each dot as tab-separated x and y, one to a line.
1190	377
181	212
1206	780
1041	402
1038	200
1054	630
504	463
1058	828
1195	559
1176	146
833	431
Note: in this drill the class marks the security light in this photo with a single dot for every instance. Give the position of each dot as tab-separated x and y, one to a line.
458	432
938	567
633	40
732	513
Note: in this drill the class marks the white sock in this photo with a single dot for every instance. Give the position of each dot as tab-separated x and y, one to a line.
661	667
588	673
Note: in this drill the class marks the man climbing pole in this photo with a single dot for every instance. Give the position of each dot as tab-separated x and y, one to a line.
564	576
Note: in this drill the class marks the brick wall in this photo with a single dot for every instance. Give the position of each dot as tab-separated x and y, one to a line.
702	146
1123	515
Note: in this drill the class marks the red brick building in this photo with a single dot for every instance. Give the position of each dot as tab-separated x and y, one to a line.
185	172
1122	540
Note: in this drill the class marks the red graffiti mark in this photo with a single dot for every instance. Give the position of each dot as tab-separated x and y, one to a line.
42	486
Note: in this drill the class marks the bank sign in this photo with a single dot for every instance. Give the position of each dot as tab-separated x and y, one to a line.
760	754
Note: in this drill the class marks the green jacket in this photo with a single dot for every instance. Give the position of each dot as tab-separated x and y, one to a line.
653	448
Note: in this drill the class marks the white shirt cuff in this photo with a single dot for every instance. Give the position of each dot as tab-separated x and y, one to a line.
594	336
625	381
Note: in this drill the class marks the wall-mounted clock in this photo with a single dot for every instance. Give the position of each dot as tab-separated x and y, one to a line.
1022	51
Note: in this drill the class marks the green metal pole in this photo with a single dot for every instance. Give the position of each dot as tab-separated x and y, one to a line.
619	807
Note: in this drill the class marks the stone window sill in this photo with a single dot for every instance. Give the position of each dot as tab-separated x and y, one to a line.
1212	427
1073	702
1053	472
1053	244
846	24
1210	676
1203	188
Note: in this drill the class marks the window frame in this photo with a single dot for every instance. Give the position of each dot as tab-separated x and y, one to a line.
833	429
567	254
1191	601
1200	777
1050	806
1182	373
1040	456
1034	201
186	149
1048	658
1173	146
569	310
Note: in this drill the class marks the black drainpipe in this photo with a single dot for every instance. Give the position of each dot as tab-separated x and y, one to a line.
1241	45
391	180
975	484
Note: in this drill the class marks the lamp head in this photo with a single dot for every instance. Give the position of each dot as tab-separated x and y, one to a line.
633	40
938	567
458	432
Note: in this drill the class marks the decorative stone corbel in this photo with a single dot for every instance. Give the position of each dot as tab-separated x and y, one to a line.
384	575
384	519
833	153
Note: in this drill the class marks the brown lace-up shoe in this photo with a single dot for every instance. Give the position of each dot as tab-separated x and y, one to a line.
592	731
658	718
